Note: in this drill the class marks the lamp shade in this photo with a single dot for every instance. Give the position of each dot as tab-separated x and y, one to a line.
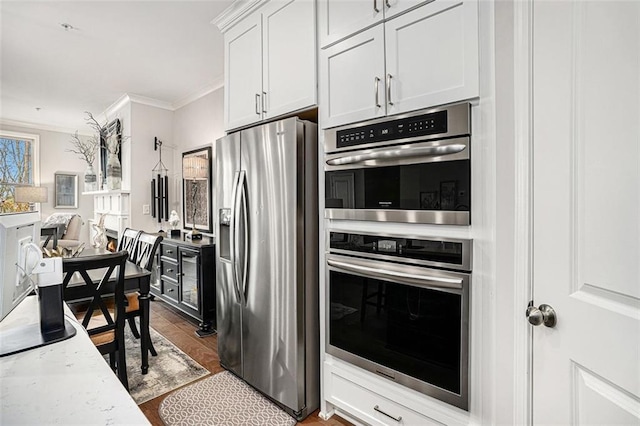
195	167
31	194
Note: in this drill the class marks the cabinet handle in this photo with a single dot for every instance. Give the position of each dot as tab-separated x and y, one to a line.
257	101
170	290
376	84
375	6
169	251
397	419
264	101
170	270
389	77
388	5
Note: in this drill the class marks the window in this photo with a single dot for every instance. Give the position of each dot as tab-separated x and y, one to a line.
19	165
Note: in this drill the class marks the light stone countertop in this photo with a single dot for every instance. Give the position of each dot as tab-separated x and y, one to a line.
68	382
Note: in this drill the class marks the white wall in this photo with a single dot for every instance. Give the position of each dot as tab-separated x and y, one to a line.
147	122
53	158
197	125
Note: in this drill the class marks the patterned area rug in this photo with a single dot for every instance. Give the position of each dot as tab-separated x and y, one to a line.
169	370
221	399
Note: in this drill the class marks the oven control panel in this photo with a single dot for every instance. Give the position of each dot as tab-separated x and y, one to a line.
421	125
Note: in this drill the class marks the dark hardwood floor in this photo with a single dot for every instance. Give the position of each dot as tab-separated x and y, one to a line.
180	330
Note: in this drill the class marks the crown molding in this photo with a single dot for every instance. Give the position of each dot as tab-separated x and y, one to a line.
40	126
237	10
150	102
217	84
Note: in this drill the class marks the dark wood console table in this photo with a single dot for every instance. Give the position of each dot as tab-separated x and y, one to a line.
184	276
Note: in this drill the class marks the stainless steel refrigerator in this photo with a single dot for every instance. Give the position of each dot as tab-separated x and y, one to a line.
267	261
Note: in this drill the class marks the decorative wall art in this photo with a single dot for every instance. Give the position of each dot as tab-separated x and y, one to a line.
66	190
196	190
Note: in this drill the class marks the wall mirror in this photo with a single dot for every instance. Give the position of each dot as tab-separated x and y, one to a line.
113	128
66	190
196	190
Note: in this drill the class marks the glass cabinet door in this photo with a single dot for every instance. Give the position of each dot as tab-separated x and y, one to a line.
155	275
189	274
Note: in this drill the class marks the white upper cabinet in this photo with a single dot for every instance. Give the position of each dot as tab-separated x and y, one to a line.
425	57
432	56
340	19
352	79
289	55
243	73
270	62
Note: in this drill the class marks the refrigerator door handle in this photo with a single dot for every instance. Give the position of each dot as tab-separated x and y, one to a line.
234	234
245	211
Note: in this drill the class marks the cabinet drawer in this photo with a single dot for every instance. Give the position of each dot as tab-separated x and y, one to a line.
170	290
371	407
169	251
169	269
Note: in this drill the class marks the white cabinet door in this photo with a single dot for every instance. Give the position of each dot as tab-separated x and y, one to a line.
352	79
289	55
586	211
243	71
432	55
395	7
338	19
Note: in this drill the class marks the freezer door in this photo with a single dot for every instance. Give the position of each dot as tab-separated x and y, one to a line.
273	335
228	303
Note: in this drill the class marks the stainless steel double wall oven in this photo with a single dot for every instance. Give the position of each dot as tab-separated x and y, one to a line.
413	168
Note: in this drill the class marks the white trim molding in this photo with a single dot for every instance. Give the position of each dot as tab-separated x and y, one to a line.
523	115
238	9
217	84
40	126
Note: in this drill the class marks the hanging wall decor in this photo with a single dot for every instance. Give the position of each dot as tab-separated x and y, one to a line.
159	187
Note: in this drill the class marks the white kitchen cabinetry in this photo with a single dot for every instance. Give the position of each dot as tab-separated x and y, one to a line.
378	401
340	19
422	58
270	62
243	73
352	79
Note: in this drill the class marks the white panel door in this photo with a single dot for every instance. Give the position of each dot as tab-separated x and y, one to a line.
338	19
586	216
289	78
243	73
352	79
432	55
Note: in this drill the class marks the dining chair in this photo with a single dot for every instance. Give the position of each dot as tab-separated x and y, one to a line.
128	241
144	256
103	277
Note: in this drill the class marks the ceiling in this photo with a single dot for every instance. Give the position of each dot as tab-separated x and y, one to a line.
164	50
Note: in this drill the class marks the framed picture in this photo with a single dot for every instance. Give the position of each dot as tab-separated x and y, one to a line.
66	190
429	200
448	195
196	190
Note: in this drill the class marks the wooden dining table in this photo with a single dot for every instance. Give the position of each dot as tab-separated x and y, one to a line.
136	278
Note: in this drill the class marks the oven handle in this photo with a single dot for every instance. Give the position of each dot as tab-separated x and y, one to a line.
392	154
427	280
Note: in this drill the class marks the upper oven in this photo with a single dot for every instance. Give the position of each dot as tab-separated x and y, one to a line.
413	168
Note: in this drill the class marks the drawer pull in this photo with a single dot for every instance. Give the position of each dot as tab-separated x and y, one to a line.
170	270
169	251
170	290
397	419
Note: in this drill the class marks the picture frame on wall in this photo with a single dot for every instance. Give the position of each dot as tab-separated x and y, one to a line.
197	189
66	190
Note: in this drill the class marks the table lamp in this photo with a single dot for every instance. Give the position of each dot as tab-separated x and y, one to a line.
194	168
31	195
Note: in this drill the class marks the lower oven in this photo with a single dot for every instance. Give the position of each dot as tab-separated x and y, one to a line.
412	168
399	307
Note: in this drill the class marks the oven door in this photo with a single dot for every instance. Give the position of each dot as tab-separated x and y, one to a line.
405	323
418	182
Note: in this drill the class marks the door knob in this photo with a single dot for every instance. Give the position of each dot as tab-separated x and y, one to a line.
545	314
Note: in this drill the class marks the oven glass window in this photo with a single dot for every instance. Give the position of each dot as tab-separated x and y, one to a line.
424	186
413	330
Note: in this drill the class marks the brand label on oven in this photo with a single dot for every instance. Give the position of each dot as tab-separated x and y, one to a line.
385	203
